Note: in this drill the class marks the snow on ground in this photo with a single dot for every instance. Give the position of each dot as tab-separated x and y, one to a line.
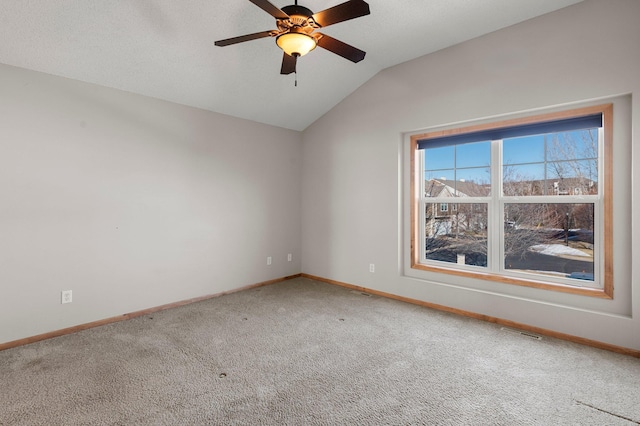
557	250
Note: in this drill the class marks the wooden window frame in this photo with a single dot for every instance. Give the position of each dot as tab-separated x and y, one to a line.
606	222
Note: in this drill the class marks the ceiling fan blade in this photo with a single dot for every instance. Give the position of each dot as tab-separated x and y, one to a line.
288	64
340	48
270	9
240	39
342	12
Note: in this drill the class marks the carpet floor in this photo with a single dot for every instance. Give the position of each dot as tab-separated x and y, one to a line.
301	352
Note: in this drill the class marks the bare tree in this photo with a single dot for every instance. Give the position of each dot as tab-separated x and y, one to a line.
461	230
572	157
526	225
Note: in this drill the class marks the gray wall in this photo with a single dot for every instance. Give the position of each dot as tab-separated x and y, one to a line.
355	175
133	202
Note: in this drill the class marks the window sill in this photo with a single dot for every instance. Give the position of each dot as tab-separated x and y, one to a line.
488	276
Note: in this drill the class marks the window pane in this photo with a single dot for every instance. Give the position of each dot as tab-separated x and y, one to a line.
563	163
458	170
523	180
457	235
579	177
576	145
527	149
439	158
443	184
473	154
473	182
440	185
550	239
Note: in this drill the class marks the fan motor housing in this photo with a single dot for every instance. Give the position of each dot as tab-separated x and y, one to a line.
294	10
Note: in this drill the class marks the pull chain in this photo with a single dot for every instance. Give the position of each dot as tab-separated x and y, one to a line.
296	81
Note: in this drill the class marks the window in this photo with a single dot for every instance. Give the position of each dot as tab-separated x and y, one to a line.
533	201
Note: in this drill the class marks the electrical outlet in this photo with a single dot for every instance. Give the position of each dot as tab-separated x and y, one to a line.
66	296
268	260
372	267
289	257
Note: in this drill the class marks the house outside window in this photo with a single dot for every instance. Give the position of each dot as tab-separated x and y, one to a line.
533	201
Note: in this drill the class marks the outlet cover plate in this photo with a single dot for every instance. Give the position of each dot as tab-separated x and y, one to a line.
66	296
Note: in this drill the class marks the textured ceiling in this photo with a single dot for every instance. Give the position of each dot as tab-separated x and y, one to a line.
164	48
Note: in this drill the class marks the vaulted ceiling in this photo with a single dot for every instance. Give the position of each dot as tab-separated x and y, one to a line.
164	48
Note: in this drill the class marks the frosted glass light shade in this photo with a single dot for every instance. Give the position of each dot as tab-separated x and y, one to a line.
296	44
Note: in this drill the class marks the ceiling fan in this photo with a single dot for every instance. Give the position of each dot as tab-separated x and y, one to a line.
296	25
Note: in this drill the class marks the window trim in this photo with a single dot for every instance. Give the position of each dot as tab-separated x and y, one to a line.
606	242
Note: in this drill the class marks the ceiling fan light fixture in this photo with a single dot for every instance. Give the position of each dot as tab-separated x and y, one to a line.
295	31
296	44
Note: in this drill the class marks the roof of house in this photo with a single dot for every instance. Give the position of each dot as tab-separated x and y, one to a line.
455	188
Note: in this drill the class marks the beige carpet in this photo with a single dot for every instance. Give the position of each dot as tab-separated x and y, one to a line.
307	353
